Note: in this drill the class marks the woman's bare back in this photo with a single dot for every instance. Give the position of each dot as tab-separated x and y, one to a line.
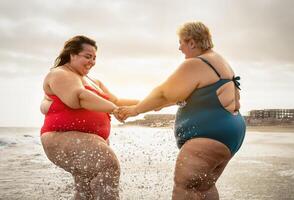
228	94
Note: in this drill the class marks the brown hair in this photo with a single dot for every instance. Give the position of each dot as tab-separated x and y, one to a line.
73	46
198	32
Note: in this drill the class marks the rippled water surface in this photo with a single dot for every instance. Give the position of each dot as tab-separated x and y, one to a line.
262	169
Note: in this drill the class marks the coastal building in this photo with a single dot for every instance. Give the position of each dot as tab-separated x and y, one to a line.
271	117
272	113
264	117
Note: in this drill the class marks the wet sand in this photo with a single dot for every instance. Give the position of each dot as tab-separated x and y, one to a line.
271	129
262	169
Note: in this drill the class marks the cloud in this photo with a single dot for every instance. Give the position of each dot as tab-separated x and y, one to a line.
33	32
138	45
259	30
246	30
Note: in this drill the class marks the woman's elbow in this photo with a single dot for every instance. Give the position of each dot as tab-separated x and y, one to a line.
44	107
43	110
164	92
74	105
170	96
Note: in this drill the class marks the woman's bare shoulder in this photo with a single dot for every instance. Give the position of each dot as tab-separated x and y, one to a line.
60	74
191	65
192	61
57	72
58	77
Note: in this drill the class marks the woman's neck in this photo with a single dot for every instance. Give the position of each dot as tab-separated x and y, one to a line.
70	68
199	52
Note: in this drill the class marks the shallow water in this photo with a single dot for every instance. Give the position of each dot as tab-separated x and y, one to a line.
262	169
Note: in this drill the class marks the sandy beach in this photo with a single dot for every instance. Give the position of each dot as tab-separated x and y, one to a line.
271	129
262	169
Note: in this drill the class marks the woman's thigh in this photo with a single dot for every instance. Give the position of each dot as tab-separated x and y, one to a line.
200	163
79	153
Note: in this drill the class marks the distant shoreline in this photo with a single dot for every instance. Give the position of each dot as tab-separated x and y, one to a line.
269	128
276	128
273	128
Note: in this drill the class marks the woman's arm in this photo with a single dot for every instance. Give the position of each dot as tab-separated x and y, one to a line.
176	88
114	99
45	104
166	105
125	102
69	88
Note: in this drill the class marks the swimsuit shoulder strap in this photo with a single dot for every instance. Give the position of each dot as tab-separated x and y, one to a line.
97	88
234	79
94	83
210	65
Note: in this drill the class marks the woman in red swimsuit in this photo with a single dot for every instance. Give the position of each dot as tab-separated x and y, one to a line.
77	122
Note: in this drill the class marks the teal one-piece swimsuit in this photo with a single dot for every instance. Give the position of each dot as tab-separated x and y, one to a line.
203	116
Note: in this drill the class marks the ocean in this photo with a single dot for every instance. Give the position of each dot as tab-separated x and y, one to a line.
262	169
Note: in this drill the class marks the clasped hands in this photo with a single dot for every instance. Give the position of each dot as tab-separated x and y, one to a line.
124	112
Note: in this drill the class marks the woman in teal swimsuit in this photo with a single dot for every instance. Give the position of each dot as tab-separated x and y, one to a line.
209	128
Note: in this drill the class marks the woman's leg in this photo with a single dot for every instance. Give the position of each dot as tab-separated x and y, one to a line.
200	163
211	194
82	187
98	164
105	183
89	159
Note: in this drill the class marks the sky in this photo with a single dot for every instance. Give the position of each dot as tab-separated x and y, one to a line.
138	47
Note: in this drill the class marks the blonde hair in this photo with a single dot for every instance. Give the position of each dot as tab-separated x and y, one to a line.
198	32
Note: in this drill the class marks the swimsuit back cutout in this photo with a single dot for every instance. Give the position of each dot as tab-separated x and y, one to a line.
234	79
203	115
